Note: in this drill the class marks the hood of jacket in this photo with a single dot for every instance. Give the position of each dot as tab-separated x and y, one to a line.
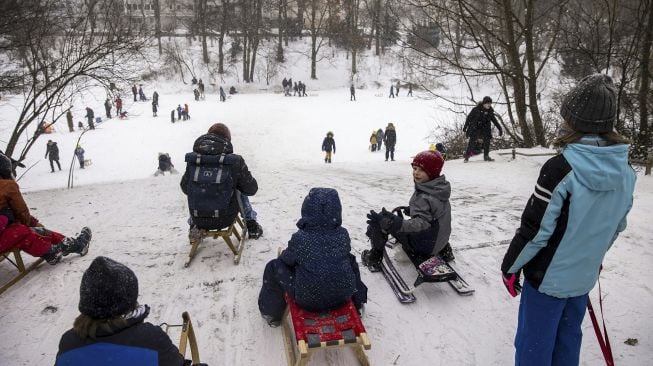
136	316
598	165
438	188
321	209
211	144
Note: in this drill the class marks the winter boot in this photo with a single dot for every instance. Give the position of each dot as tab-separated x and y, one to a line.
372	260
447	254
487	158
53	256
254	229
77	245
271	321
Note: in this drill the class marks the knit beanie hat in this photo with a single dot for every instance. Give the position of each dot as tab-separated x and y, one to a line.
486	99
429	161
221	130
108	289
591	106
6	170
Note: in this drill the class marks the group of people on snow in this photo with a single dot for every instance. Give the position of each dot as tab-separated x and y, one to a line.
298	88
579	206
394	90
52	154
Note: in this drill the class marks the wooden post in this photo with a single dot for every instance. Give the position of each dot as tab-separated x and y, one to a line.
514	153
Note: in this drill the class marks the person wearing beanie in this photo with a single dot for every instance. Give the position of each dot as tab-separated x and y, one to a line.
426	232
316	269
576	212
20	230
477	126
214	205
111	328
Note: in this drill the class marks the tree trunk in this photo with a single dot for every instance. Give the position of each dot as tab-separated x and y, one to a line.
377	23
516	74
157	24
280	45
645	80
532	76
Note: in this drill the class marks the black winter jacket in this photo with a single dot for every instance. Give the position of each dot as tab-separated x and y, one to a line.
243	181
137	343
478	121
52	151
390	138
329	144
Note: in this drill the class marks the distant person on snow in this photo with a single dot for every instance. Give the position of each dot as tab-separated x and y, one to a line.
90	115
118	106
172	116
154	109
410	90
392	91
316	269
426	232
223	97
477	125
232	90
575	214
200	86
180	111
107	108
79	153
215	205
328	146
20	230
196	94
141	93
390	140
186	115
135	92
379	138
155	98
294	89
52	151
373	141
111	327
352	93
165	165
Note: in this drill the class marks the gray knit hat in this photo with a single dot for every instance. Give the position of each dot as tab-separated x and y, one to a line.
592	105
108	289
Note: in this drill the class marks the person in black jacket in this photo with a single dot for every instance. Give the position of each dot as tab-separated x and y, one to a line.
90	115
328	145
217	142
52	151
107	107
316	269
477	125
390	140
111	329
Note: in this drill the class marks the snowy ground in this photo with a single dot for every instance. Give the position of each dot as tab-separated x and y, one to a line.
140	220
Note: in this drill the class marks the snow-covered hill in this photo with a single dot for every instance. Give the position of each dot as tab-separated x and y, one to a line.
140	220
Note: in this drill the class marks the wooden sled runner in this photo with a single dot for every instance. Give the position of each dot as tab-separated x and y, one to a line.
305	332
20	266
187	337
236	229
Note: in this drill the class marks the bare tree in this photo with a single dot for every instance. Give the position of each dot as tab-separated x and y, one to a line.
317	16
59	53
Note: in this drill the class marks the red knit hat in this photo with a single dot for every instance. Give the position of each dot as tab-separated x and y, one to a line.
430	162
221	130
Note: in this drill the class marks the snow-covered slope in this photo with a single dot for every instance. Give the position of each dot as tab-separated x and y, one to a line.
140	220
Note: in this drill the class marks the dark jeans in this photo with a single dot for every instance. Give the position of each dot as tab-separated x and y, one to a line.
471	145
389	151
52	161
418	246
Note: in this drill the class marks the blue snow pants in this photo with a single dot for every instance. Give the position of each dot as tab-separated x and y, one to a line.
549	329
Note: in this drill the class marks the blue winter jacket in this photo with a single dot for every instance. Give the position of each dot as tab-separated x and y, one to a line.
319	252
579	207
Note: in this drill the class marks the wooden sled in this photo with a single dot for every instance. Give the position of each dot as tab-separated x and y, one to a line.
20	266
305	332
236	229
187	338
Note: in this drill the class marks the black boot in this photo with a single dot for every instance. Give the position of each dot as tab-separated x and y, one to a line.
254	229
53	256
78	245
487	158
447	254
372	259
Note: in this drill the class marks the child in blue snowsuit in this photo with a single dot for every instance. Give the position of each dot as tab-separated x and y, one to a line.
79	153
577	210
316	269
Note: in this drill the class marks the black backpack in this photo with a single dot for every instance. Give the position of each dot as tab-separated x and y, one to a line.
210	183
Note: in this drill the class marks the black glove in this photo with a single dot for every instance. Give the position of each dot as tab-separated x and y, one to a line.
389	222
373	217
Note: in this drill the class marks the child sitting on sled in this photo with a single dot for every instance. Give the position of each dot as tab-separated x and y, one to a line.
316	269
165	164
426	232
